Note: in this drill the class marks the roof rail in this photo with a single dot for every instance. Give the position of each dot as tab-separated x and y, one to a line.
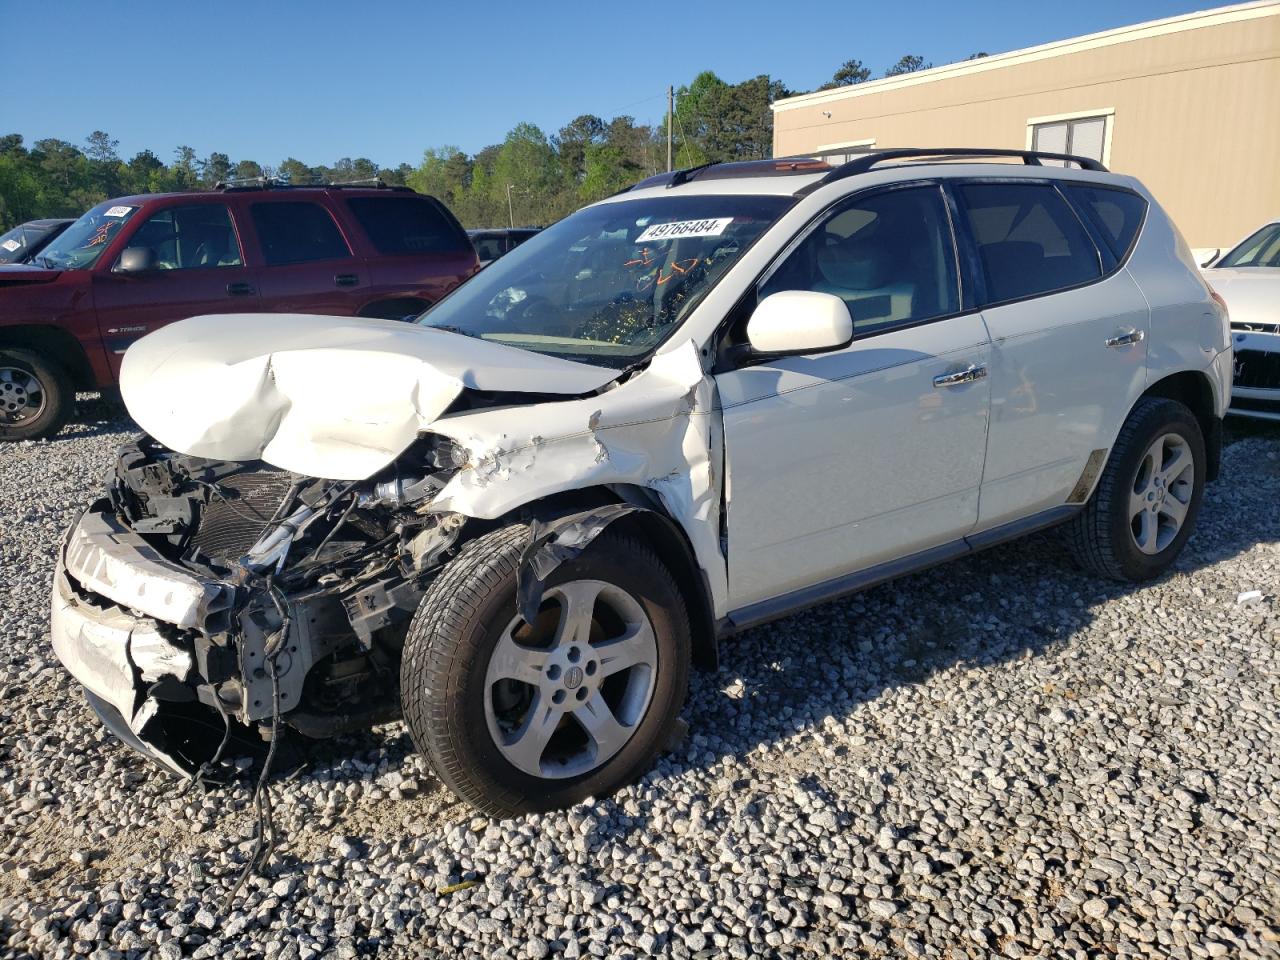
246	183
731	169
868	161
275	183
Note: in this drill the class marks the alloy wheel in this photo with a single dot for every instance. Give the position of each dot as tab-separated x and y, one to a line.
1162	491
564	694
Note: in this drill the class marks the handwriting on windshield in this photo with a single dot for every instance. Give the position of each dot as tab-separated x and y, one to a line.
102	236
661	275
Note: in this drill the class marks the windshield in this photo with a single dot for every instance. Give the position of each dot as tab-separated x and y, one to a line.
1260	250
15	244
80	246
609	283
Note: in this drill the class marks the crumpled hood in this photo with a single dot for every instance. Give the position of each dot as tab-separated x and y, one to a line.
1252	293
332	397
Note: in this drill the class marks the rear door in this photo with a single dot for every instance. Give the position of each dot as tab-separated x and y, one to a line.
307	262
1068	331
199	269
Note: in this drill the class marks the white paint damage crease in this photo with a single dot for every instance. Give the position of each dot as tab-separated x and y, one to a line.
659	430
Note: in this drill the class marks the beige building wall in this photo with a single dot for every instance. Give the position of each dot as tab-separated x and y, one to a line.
1193	105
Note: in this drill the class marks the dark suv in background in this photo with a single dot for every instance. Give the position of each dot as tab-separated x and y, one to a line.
134	264
26	240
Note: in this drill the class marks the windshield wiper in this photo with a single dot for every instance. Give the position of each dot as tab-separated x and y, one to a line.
448	329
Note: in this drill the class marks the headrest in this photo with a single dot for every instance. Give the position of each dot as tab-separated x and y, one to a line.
854	264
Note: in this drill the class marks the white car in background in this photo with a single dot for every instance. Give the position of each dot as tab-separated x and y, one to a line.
1248	279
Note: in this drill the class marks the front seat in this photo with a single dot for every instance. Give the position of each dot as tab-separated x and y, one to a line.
859	272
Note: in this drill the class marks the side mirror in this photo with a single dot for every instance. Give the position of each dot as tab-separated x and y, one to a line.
136	260
799	321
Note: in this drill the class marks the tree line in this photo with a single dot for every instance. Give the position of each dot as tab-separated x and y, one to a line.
531	177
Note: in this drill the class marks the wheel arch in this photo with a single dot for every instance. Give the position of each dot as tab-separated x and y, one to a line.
58	345
1193	390
657	528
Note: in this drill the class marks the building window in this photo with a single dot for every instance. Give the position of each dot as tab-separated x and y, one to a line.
1083	134
838	153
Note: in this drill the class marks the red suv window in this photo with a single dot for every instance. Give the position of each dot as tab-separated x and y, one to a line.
297	232
400	225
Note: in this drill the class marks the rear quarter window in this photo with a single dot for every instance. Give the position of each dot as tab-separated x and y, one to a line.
1116	214
407	225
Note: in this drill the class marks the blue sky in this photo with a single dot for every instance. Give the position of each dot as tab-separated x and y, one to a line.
321	80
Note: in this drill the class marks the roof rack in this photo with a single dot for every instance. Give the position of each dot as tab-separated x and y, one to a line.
275	183
868	161
780	166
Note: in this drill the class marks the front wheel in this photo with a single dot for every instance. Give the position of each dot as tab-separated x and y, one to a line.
36	396
517	717
1146	503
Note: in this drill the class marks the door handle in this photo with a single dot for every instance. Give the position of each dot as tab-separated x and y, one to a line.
240	289
1126	339
970	374
346	280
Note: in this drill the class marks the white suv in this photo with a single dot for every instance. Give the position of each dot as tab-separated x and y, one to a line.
718	397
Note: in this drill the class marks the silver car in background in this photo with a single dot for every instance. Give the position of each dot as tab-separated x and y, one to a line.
1248	279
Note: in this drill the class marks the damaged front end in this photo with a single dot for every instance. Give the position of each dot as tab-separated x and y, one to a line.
204	595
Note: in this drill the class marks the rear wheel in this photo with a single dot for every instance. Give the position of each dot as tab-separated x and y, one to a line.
36	395
1145	507
517	717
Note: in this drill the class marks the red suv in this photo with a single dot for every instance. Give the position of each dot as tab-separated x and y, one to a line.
134	264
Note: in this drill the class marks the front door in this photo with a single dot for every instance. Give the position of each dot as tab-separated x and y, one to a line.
841	461
197	267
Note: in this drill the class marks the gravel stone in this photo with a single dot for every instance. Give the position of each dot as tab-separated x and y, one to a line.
1001	756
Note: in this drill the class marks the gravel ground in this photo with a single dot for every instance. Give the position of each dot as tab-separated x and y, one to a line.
1001	756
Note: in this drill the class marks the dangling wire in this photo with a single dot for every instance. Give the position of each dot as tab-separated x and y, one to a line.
209	766
264	829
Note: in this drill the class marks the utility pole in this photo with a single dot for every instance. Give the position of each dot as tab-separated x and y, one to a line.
671	109
511	210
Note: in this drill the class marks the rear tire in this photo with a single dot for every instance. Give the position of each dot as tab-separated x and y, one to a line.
1145	506
476	680
36	395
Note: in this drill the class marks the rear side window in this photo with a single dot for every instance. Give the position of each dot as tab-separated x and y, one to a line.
1117	214
489	246
297	232
1029	240
400	225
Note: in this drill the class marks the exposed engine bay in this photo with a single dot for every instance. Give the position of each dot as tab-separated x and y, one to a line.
319	579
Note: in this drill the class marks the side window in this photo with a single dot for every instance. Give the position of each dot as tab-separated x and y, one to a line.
188	238
1117	214
489	247
1029	240
400	225
297	232
888	256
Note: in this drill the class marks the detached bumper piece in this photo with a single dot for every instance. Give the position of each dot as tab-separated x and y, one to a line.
119	621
